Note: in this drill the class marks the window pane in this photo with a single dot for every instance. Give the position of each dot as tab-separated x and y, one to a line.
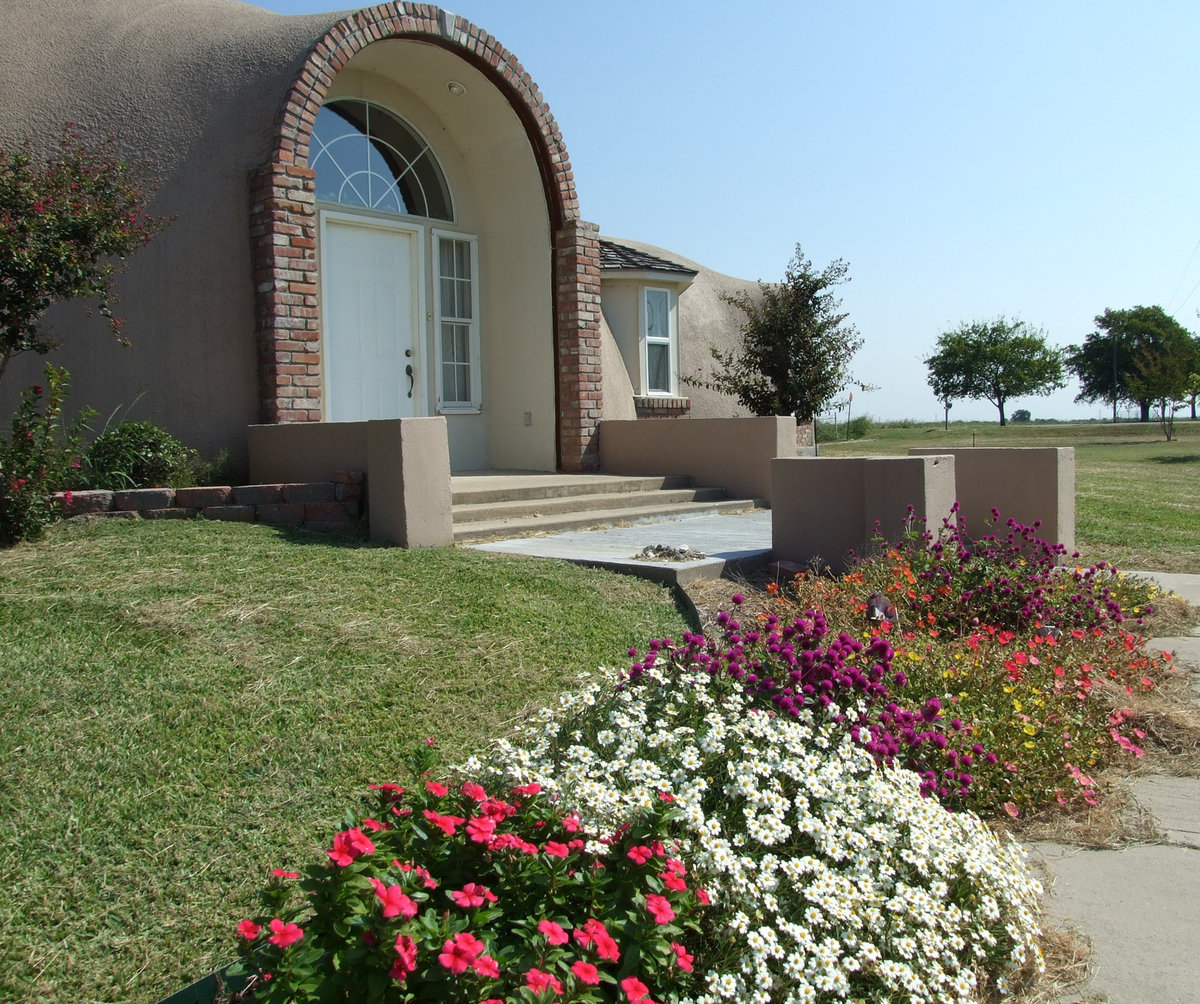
363	155
657	315
658	367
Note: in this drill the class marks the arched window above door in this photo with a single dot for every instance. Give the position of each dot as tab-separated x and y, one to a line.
364	155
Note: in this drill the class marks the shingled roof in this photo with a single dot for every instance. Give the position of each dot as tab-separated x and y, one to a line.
620	256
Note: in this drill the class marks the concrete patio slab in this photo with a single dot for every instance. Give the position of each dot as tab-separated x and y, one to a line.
730	541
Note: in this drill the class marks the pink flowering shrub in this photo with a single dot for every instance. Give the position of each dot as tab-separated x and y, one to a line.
463	894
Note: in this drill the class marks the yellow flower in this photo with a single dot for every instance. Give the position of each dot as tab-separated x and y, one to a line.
1030	730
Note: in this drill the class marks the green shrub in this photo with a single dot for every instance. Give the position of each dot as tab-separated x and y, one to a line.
1022	415
39	459
139	455
832	432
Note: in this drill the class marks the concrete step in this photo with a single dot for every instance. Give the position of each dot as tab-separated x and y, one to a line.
495	529
519	508
476	490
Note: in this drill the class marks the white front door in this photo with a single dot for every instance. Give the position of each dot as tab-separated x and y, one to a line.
371	290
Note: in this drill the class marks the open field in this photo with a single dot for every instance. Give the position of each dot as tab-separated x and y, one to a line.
186	705
1137	497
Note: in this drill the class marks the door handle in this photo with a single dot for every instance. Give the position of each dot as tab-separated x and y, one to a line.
408	372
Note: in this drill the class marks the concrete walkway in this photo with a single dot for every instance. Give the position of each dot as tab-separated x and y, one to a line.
1140	905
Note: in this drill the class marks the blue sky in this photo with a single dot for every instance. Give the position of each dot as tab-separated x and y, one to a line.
1039	160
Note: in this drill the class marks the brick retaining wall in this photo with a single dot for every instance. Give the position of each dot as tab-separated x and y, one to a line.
337	506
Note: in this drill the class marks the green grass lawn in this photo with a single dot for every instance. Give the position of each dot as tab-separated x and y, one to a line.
1137	502
186	705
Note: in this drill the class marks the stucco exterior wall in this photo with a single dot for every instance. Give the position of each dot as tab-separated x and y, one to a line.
193	88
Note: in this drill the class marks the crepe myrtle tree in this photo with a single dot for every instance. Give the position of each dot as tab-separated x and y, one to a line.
1109	361
994	361
796	344
66	226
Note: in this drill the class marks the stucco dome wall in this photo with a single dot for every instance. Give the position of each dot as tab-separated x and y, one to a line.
193	87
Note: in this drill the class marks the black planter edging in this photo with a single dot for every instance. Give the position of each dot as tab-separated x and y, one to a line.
214	988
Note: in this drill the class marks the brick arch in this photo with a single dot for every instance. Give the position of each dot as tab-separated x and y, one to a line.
283	227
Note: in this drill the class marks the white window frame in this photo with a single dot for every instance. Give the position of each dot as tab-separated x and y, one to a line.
475	405
672	341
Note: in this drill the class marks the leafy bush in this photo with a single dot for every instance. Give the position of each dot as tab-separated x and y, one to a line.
831	879
832	432
139	455
461	896
40	457
1022	415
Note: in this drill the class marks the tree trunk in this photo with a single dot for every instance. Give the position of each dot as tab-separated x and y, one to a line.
1145	406
1000	405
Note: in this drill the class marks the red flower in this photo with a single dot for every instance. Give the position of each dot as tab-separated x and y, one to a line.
374	825
283	934
537	981
555	849
553	932
528	789
460	954
481	830
594	932
406	958
585	972
660	908
447	824
485	965
440	790
395	902
635	990
672	881
472	894
475	791
348	845
682	959
248	929
640	854
280	873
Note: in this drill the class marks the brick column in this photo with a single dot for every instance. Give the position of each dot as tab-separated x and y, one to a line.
577	296
283	228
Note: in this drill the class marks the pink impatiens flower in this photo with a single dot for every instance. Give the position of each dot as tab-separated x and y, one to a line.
660	908
556	849
396	903
406	958
485	965
640	854
537	981
248	929
585	972
447	824
475	791
434	788
481	829
459	955
348	845
283	934
472	894
553	932
682	959
594	932
636	992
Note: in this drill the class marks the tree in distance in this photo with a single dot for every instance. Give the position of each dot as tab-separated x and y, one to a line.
1114	361
796	345
65	227
994	361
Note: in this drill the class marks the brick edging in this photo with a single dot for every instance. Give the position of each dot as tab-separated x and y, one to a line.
337	506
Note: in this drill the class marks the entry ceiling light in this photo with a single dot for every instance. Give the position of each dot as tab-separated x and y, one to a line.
457	89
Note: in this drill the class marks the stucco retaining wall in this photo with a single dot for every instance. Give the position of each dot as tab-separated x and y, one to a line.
1027	484
732	453
822	508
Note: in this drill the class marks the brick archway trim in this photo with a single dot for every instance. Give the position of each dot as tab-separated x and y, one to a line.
284	227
